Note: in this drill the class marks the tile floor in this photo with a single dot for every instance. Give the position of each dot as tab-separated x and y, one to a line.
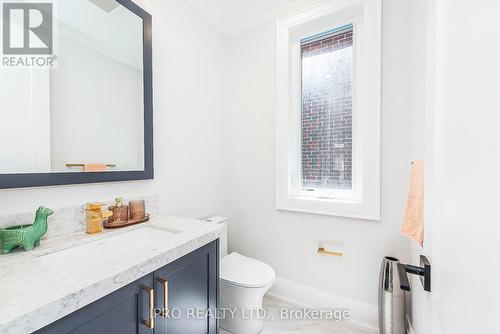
285	326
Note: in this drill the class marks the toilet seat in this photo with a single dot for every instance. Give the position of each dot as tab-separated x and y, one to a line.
242	271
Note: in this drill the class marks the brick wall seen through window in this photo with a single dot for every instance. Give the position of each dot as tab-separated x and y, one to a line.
326	149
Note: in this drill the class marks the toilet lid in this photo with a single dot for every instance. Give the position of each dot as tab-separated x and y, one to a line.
243	271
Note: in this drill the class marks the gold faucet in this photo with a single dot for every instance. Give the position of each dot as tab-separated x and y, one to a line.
96	216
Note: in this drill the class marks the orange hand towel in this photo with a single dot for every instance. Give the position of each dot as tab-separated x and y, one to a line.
413	225
94	167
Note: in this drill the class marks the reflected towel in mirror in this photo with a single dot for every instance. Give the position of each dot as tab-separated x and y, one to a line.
95	167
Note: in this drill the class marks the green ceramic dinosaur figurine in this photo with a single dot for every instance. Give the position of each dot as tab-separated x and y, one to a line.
25	236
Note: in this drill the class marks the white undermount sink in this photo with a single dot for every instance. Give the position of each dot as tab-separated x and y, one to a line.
108	250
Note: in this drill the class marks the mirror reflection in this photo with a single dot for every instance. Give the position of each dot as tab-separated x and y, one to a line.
86	112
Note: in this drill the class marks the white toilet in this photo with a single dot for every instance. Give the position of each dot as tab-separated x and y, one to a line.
243	283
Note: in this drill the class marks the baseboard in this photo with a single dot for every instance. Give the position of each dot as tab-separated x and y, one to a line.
409	328
362	314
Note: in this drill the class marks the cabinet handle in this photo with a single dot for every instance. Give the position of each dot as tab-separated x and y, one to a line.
151	322
164	312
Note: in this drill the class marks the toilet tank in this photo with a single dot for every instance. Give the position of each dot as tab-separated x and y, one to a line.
223	238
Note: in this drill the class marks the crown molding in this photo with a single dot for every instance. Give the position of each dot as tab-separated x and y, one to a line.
207	13
269	16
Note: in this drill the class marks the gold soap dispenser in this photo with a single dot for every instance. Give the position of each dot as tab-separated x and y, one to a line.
95	217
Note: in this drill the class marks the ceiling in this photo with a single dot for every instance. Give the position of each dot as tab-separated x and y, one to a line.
231	17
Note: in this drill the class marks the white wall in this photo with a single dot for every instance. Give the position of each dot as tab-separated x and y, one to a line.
16	139
288	241
187	60
462	183
97	108
104	33
25	114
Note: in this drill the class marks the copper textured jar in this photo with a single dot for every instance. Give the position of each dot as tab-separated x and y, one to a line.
137	210
119	218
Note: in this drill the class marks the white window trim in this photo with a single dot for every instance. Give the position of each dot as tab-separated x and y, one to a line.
364	200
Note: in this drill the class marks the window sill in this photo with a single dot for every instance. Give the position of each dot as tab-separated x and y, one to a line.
330	207
339	196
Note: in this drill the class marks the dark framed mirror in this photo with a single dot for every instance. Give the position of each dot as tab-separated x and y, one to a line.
83	111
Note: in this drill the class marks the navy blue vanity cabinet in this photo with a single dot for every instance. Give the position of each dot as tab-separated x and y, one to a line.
121	312
190	285
188	289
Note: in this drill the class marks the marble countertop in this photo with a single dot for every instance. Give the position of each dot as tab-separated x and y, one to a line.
34	294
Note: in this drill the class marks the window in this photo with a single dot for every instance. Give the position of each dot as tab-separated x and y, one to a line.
328	109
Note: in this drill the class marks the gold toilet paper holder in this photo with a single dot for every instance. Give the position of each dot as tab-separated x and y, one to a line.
322	250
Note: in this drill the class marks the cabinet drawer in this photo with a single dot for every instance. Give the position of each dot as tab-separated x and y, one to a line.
122	311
